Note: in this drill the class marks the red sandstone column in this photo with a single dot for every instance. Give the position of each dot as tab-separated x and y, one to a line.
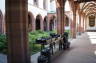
63	19
58	21
74	26
41	24
83	24
60	16
1	22
79	21
16	30
48	23
74	21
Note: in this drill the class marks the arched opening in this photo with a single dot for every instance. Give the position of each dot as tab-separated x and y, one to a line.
52	23
67	21
91	21
30	21
1	21
45	23
38	22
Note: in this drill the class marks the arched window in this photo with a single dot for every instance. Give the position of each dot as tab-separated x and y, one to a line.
45	23
92	21
38	22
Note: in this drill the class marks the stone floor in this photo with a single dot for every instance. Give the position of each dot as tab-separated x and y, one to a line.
3	58
83	50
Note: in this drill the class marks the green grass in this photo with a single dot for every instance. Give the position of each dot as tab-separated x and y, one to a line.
67	31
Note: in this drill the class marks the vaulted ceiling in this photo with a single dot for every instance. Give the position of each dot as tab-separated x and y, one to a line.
80	1
88	6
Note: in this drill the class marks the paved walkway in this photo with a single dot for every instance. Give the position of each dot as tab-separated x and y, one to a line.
83	50
3	58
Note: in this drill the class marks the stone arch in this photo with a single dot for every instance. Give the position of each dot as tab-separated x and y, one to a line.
45	23
30	21
1	22
38	22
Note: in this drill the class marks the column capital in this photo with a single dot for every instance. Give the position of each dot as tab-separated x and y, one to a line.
61	2
74	14
61	7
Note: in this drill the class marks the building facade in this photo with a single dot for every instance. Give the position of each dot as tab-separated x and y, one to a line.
42	16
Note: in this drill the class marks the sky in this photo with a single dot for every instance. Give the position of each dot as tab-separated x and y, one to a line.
53	6
2	6
67	7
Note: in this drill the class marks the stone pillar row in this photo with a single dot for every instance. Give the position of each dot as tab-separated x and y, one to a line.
16	30
81	21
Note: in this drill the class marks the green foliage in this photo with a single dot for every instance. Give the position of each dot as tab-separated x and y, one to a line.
32	36
68	31
3	44
54	31
37	34
34	48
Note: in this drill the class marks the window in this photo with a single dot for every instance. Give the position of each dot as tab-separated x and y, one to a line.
92	21
44	4
36	2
